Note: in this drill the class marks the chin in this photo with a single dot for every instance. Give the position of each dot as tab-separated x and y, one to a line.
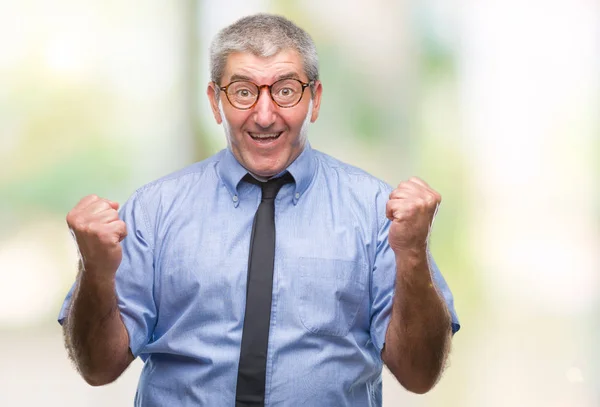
267	167
266	172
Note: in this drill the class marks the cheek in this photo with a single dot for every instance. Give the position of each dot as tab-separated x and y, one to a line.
294	121
236	123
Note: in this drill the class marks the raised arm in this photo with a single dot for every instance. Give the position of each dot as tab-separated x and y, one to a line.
418	337
95	336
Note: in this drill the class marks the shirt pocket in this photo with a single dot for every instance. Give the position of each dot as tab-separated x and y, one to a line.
330	294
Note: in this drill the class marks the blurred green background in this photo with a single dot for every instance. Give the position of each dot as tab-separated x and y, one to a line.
494	103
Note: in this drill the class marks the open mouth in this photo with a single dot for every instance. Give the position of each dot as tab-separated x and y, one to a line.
264	136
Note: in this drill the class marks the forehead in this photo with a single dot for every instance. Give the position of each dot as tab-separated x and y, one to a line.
264	70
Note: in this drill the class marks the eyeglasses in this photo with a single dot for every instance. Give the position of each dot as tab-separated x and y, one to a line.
285	93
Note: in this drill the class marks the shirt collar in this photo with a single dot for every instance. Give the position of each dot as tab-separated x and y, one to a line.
302	169
231	173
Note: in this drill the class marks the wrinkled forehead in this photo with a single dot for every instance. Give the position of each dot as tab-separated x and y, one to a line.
286	63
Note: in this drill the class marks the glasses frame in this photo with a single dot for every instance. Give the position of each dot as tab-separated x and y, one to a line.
260	88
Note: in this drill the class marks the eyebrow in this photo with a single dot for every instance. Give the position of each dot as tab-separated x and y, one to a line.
291	75
239	77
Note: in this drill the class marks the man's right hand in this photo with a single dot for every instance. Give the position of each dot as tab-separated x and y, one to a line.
95	335
98	231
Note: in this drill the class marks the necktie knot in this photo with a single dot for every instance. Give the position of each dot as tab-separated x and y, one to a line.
271	187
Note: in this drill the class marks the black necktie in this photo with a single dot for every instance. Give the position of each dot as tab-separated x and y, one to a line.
250	390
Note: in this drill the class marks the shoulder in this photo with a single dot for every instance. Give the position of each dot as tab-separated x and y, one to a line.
189	177
350	176
357	190
192	180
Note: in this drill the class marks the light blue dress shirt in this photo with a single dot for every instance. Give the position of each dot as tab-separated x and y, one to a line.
181	285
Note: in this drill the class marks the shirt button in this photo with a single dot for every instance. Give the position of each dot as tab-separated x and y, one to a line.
297	195
235	198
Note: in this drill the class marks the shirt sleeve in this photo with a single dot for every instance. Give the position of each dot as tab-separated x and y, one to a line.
134	280
383	281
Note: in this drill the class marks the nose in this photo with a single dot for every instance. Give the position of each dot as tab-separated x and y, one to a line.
264	110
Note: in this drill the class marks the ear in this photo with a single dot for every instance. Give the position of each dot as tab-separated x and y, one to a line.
316	101
211	92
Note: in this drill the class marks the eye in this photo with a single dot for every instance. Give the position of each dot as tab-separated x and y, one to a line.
286	92
244	93
242	90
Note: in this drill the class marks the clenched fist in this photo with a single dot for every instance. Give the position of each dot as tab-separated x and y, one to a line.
411	208
98	231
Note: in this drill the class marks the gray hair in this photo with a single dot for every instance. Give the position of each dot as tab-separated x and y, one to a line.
263	35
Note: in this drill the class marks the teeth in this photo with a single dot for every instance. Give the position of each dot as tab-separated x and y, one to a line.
264	135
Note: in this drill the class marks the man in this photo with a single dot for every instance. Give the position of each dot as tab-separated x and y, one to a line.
189	275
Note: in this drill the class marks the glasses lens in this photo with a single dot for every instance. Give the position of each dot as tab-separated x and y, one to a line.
242	94
286	92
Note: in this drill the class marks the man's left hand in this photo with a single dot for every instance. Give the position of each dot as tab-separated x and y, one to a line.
411	208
